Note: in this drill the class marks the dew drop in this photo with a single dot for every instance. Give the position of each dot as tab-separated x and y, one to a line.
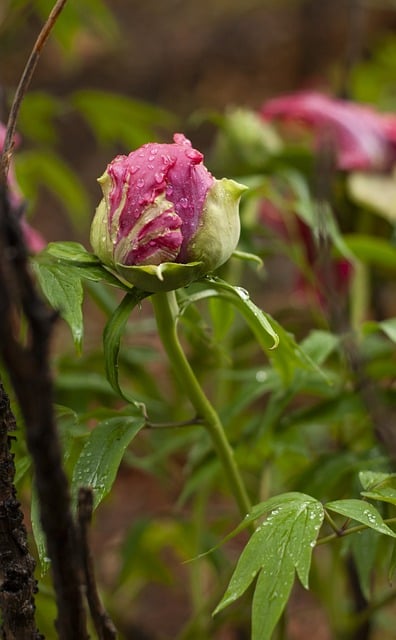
242	293
261	376
158	177
184	203
140	183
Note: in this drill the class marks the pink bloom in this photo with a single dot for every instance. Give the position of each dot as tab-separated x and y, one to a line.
34	241
161	205
363	138
173	171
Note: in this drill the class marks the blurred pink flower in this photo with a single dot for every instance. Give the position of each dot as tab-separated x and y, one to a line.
33	239
363	138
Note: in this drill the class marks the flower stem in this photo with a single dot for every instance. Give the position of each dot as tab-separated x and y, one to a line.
166	312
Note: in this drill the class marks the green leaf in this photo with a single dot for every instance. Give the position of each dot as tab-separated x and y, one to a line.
270	597
279	345
246	256
280	545
85	265
38	534
112	337
116	118
372	250
64	292
70	252
318	345
363	512
372	480
102	453
222	317
318	216
364	549
37	117
378	486
46	169
389	328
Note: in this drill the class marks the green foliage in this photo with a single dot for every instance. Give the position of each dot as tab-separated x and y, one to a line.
279	547
98	463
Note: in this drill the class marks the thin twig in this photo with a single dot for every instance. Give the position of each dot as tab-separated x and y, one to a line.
23	86
103	624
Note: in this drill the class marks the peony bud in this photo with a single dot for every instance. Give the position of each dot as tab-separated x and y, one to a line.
164	221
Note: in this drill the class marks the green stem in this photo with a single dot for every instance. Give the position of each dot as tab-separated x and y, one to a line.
166	313
341	533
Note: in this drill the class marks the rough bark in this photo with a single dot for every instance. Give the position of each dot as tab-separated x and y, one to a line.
17	582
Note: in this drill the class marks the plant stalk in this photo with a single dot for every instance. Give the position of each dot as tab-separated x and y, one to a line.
166	313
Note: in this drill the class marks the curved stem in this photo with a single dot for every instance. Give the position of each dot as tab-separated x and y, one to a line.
166	312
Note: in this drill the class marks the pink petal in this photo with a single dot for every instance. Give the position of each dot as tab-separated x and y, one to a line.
364	139
175	170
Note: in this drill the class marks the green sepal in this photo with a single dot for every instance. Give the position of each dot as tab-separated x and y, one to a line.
166	276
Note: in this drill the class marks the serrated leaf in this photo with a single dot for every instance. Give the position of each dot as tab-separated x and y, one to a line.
64	292
102	453
112	337
280	545
363	512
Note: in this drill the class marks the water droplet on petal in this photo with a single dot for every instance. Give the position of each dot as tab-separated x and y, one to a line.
140	183
184	203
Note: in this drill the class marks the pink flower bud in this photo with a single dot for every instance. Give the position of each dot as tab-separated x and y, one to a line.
161	205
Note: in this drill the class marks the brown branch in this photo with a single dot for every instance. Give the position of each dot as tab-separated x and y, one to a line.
17	584
28	366
23	86
29	371
101	619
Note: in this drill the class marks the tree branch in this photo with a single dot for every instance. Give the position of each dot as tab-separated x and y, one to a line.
17	583
101	619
